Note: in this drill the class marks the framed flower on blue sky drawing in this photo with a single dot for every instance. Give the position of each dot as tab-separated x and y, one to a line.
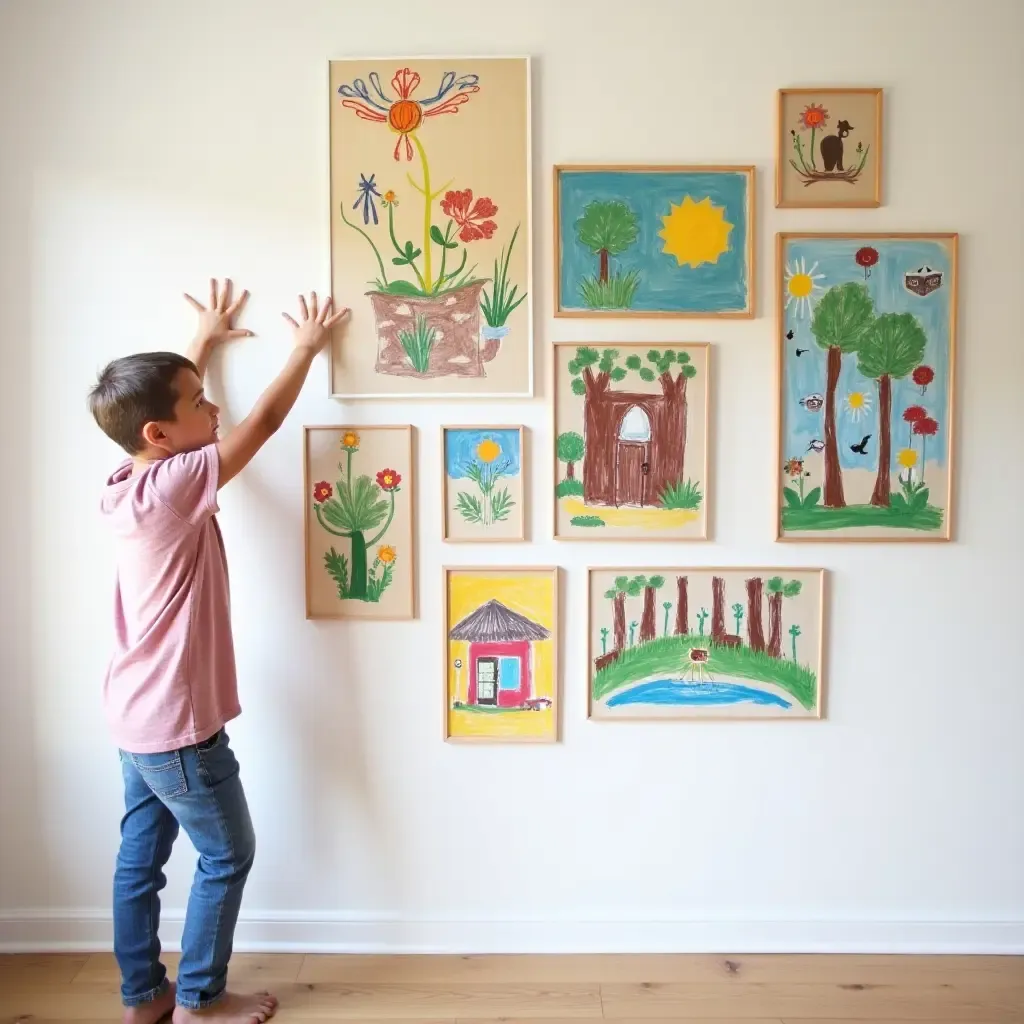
654	241
430	227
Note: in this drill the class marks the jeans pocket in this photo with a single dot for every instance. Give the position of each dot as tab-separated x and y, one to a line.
216	764
163	773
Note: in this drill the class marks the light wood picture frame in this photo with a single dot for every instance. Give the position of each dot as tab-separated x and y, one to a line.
359	519
631	437
484	484
866	342
732	642
501	642
829	148
403	246
648	240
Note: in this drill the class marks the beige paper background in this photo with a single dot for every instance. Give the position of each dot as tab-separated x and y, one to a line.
569	416
457	528
484	147
379	448
805	609
861	110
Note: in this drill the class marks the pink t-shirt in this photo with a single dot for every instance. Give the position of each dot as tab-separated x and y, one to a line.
171	681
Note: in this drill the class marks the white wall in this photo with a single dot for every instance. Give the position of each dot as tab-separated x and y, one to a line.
146	147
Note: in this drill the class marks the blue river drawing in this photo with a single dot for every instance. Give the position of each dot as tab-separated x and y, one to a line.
675	692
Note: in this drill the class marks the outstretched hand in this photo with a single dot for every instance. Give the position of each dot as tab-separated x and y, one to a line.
314	331
217	321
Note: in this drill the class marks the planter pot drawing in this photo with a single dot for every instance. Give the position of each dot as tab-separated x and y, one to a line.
492	337
431	336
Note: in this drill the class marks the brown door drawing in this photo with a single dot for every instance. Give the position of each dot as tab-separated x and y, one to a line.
631	474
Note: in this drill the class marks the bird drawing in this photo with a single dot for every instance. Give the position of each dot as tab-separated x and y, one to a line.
862	448
816	445
812	403
789	335
801	351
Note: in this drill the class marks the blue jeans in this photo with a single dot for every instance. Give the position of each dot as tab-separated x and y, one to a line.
199	789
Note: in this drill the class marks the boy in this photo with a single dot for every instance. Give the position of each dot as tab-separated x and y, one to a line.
170	687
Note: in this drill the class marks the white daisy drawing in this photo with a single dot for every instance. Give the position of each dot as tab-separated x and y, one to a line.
802	286
858	405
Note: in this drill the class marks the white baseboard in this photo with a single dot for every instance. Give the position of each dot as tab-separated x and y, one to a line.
88	930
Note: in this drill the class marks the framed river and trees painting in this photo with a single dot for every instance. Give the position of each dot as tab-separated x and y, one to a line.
430	227
705	643
866	357
631	441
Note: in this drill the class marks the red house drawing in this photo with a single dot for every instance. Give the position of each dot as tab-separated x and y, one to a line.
500	654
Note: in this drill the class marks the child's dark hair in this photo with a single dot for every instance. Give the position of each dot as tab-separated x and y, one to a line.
134	390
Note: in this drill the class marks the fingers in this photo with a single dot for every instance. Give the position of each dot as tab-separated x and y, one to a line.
325	311
236	307
195	303
225	296
241	333
303	307
291	320
331	321
312	306
213	293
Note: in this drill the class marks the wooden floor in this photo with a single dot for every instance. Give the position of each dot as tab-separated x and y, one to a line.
769	989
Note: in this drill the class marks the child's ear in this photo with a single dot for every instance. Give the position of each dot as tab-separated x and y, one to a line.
153	435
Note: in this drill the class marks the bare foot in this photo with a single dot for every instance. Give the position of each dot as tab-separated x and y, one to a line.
150	1013
231	1008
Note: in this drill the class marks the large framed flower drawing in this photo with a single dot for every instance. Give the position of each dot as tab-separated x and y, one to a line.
430	227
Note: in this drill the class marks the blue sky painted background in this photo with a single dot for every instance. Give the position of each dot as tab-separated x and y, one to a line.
665	285
805	375
460	449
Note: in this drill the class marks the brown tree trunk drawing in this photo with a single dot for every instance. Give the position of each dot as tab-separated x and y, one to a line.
880	495
603	253
717	607
682	609
619	621
775	625
833	489
648	625
570	471
671	436
755	631
599	430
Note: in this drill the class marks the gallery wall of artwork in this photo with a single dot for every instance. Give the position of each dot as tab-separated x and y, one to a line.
662	483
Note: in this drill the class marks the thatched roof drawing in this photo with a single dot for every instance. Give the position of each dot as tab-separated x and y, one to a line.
494	623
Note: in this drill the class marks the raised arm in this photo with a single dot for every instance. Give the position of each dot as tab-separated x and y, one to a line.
270	410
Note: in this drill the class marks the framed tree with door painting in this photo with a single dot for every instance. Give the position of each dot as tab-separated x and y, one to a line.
866	365
631	441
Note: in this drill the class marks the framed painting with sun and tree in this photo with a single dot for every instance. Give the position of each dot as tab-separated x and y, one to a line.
358	518
866	362
430	227
653	241
829	148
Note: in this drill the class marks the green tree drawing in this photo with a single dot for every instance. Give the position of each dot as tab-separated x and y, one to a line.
737	610
794	632
608	228
840	321
891	348
571	449
778	589
701	618
667	605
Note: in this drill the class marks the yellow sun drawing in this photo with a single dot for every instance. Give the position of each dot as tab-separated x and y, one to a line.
695	233
801	286
858	404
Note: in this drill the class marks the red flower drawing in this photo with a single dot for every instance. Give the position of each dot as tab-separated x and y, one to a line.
473	222
814	116
913	413
927	427
923	376
388	480
322	491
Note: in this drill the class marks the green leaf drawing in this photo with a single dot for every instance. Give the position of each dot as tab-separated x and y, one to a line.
337	568
792	498
470	507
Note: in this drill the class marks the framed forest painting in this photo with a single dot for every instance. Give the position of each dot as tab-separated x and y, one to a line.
430	227
359	523
631	441
829	148
705	643
484	494
866	353
501	654
654	241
